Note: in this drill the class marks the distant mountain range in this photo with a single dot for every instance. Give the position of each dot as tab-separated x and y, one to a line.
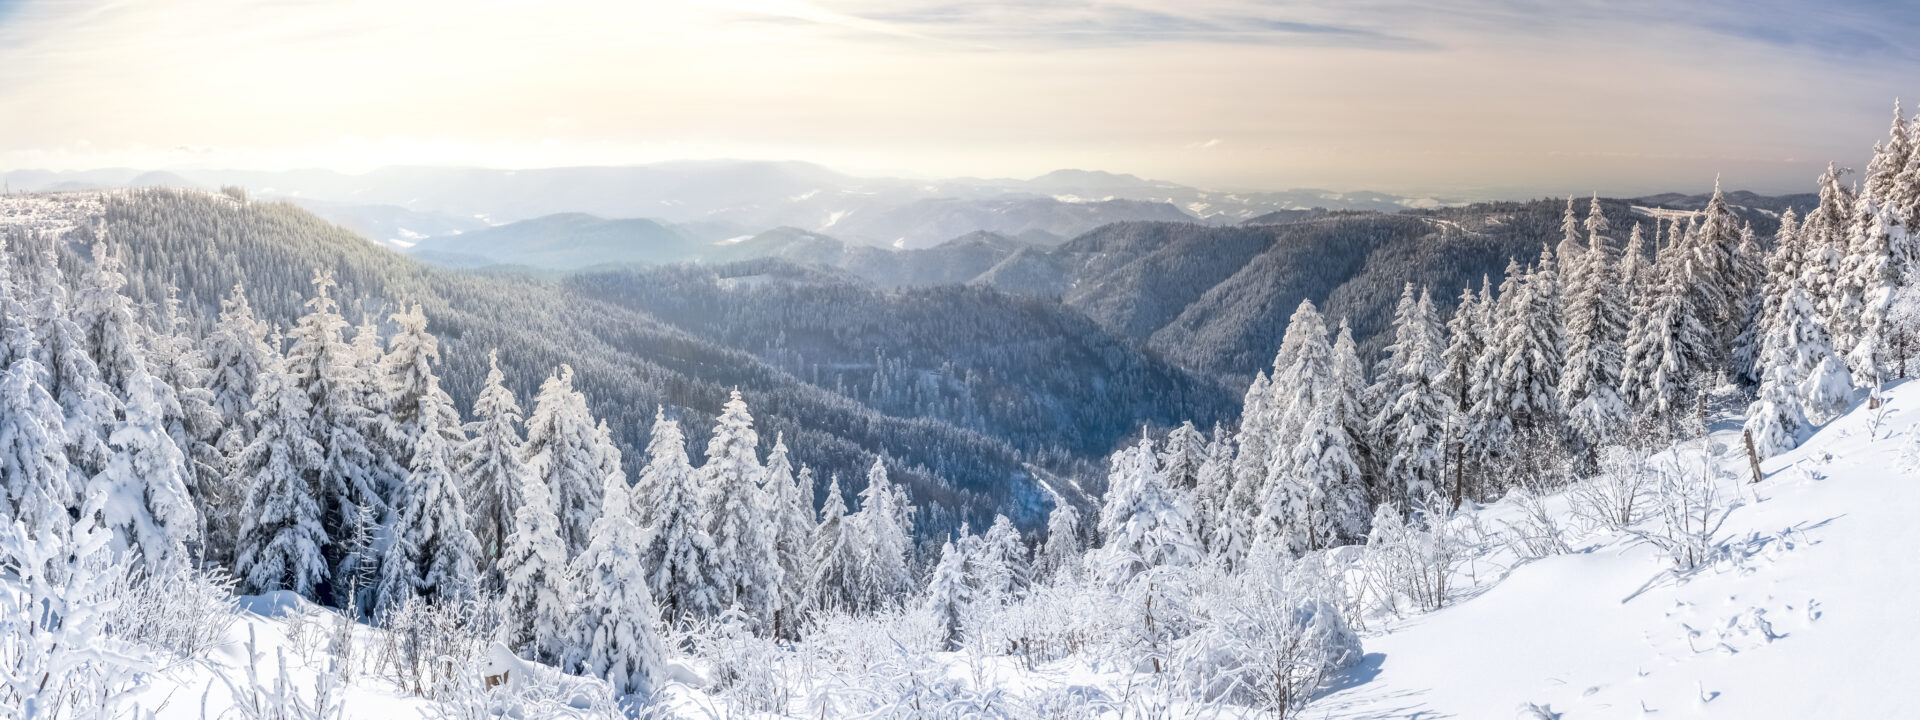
402	205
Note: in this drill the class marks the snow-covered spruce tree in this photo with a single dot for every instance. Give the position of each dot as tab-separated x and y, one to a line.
792	518
1635	275
1316	488
998	568
615	628
1060	557
1533	347
145	500
948	596
413	388
1489	426
1596	328
745	565
389	447
433	555
1776	420
1868	281
883	534
1213	484
281	534
1181	456
1351	405
35	485
1466	343
1572	241
833	559
1785	265
560	452
187	411
1232	526
1714	246
492	466
1668	348
1143	523
1750	274
237	355
1408	429
1825	233
350	477
669	508
1882	181
537	585
73	379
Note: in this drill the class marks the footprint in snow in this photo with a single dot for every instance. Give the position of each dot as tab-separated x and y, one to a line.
1530	711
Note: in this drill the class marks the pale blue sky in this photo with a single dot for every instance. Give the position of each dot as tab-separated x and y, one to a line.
1482	97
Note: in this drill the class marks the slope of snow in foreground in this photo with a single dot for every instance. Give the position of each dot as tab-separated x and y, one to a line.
1806	615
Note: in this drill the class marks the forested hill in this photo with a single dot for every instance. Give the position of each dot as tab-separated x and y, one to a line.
628	361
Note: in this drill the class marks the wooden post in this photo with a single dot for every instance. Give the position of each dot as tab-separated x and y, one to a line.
1753	458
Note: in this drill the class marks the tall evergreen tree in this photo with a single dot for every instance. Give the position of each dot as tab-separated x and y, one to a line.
1412	419
744	567
1466	344
1184	450
948	596
884	532
670	509
1596	328
1143	522
1060	555
281	536
834	559
349	478
615	630
493	468
144	485
792	521
561	451
538	588
434	555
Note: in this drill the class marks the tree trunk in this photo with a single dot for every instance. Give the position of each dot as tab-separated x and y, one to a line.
1753	458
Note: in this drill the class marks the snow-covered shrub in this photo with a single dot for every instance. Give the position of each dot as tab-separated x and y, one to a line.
1412	561
184	613
254	698
1615	496
1052	622
1264	647
426	644
1538	532
751	674
59	592
1687	506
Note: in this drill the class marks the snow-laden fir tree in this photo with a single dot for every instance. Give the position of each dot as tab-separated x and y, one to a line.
669	508
144	486
1532	348
186	407
1572	241
1315	480
997	565
1882	180
1750	274
1060	556
537	587
1784	266
1352	407
389	447
1489	427
1213	484
883	535
72	377
792	519
1410	425
1466	345
281	535
1668	345
492	466
834	557
349	478
35	486
1868	280
1714	245
237	354
745	565
413	388
948	596
433	555
1143	523
1794	347
1181	456
616	625
1825	234
1635	273
1233	525
1596	329
561	451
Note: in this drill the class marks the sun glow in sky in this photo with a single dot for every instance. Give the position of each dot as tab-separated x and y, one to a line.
1473	98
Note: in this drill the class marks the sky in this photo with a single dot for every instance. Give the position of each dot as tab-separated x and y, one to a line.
1474	98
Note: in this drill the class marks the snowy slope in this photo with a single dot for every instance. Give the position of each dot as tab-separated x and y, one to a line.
1806	616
